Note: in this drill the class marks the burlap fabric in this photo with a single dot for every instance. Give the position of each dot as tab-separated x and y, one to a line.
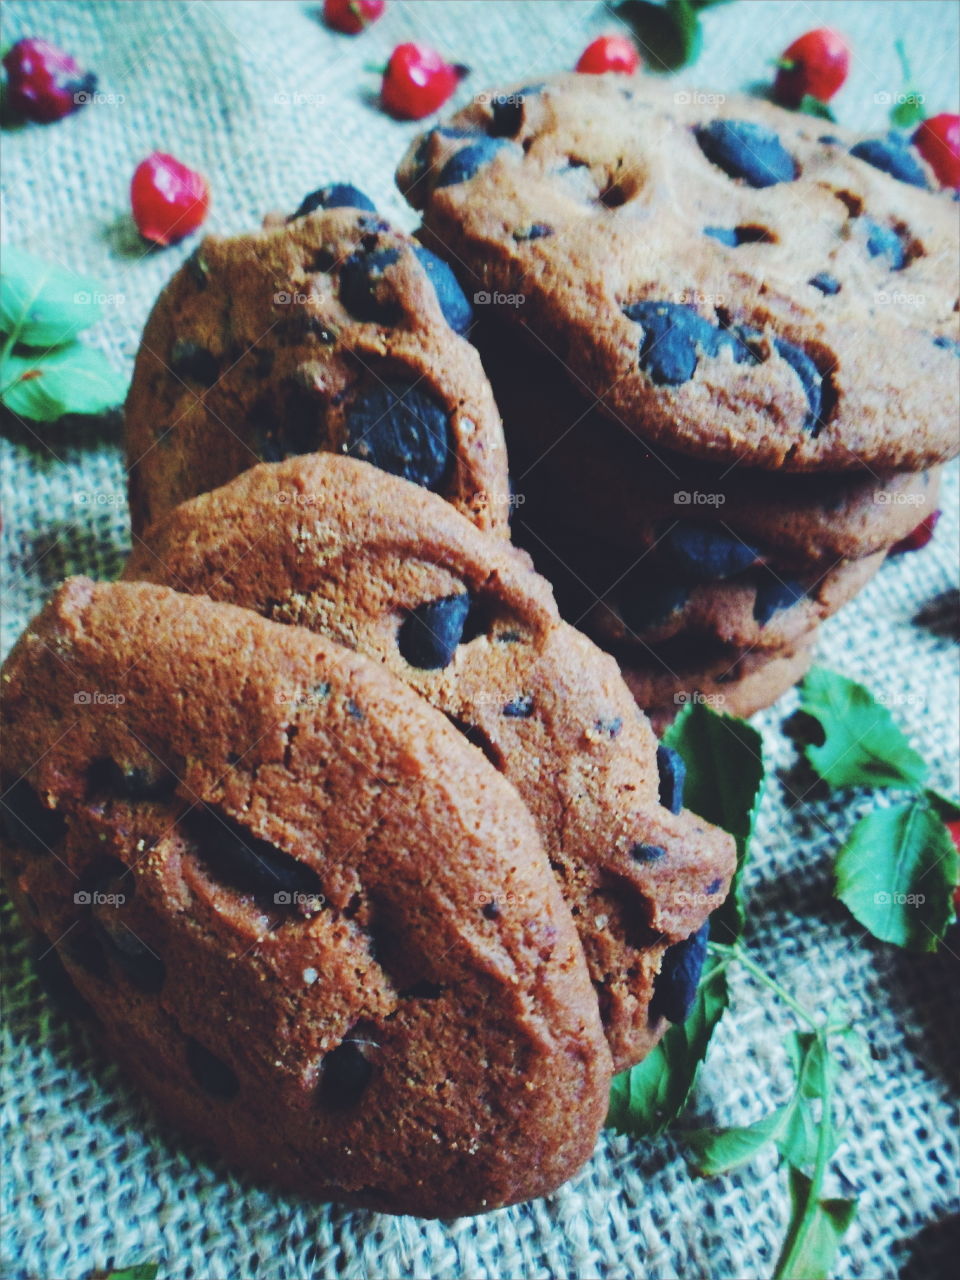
270	105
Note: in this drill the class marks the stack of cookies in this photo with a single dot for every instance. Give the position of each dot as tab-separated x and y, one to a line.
724	343
365	861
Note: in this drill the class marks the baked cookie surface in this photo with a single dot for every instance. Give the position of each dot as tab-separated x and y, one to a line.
331	331
734	280
385	568
315	925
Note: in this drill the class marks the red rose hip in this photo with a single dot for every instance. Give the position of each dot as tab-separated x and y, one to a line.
44	83
609	53
938	141
814	66
168	199
352	16
418	81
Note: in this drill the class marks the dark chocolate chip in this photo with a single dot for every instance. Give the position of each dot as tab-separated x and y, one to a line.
520	708
210	1072
726	235
611	727
826	283
948	344
190	360
490	911
430	633
647	853
775	594
673	774
674	338
422	990
707	555
403	430
27	822
457	311
362	288
134	783
338	195
345	1074
714	886
733	237
884	242
810	380
469	160
650	604
675	987
891	155
746	150
247	863
535	231
422	153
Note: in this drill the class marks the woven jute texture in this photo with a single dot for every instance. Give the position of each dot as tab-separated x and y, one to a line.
270	105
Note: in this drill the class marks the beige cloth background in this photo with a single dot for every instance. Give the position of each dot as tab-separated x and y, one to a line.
270	105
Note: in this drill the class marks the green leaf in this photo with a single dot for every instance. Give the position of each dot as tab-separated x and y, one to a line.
139	1271
668	35
71	379
814	1234
815	1068
811	106
645	1099
724	759
896	873
42	304
908	112
799	1139
862	746
949	810
720	1150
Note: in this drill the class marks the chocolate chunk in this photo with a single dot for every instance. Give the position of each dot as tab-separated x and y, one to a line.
338	195
746	150
362	288
775	594
430	633
457	311
708	555
673	774
674	338
884	242
826	283
345	1074
520	708
249	864
403	430
649	604
810	380
675	988
892	155
210	1072
647	852
464	164
190	360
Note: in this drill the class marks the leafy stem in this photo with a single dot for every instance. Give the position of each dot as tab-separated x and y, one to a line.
734	951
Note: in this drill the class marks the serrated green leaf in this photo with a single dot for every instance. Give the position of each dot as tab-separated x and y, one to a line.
815	1231
896	873
948	809
667	35
724	759
42	304
862	744
645	1099
816	1070
140	1271
720	1150
71	379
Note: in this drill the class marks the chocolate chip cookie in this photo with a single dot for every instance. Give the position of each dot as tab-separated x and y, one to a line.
735	281
313	921
573	466
386	568
332	331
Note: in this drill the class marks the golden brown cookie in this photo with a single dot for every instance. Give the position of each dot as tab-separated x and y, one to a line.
734	281
317	926
333	332
386	568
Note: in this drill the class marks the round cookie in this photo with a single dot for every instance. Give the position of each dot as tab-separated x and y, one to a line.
627	601
734	282
314	923
331	332
573	466
390	570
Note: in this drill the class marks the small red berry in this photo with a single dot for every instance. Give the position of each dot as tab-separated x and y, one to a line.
938	141
609	53
814	66
352	16
417	81
169	200
44	83
918	537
